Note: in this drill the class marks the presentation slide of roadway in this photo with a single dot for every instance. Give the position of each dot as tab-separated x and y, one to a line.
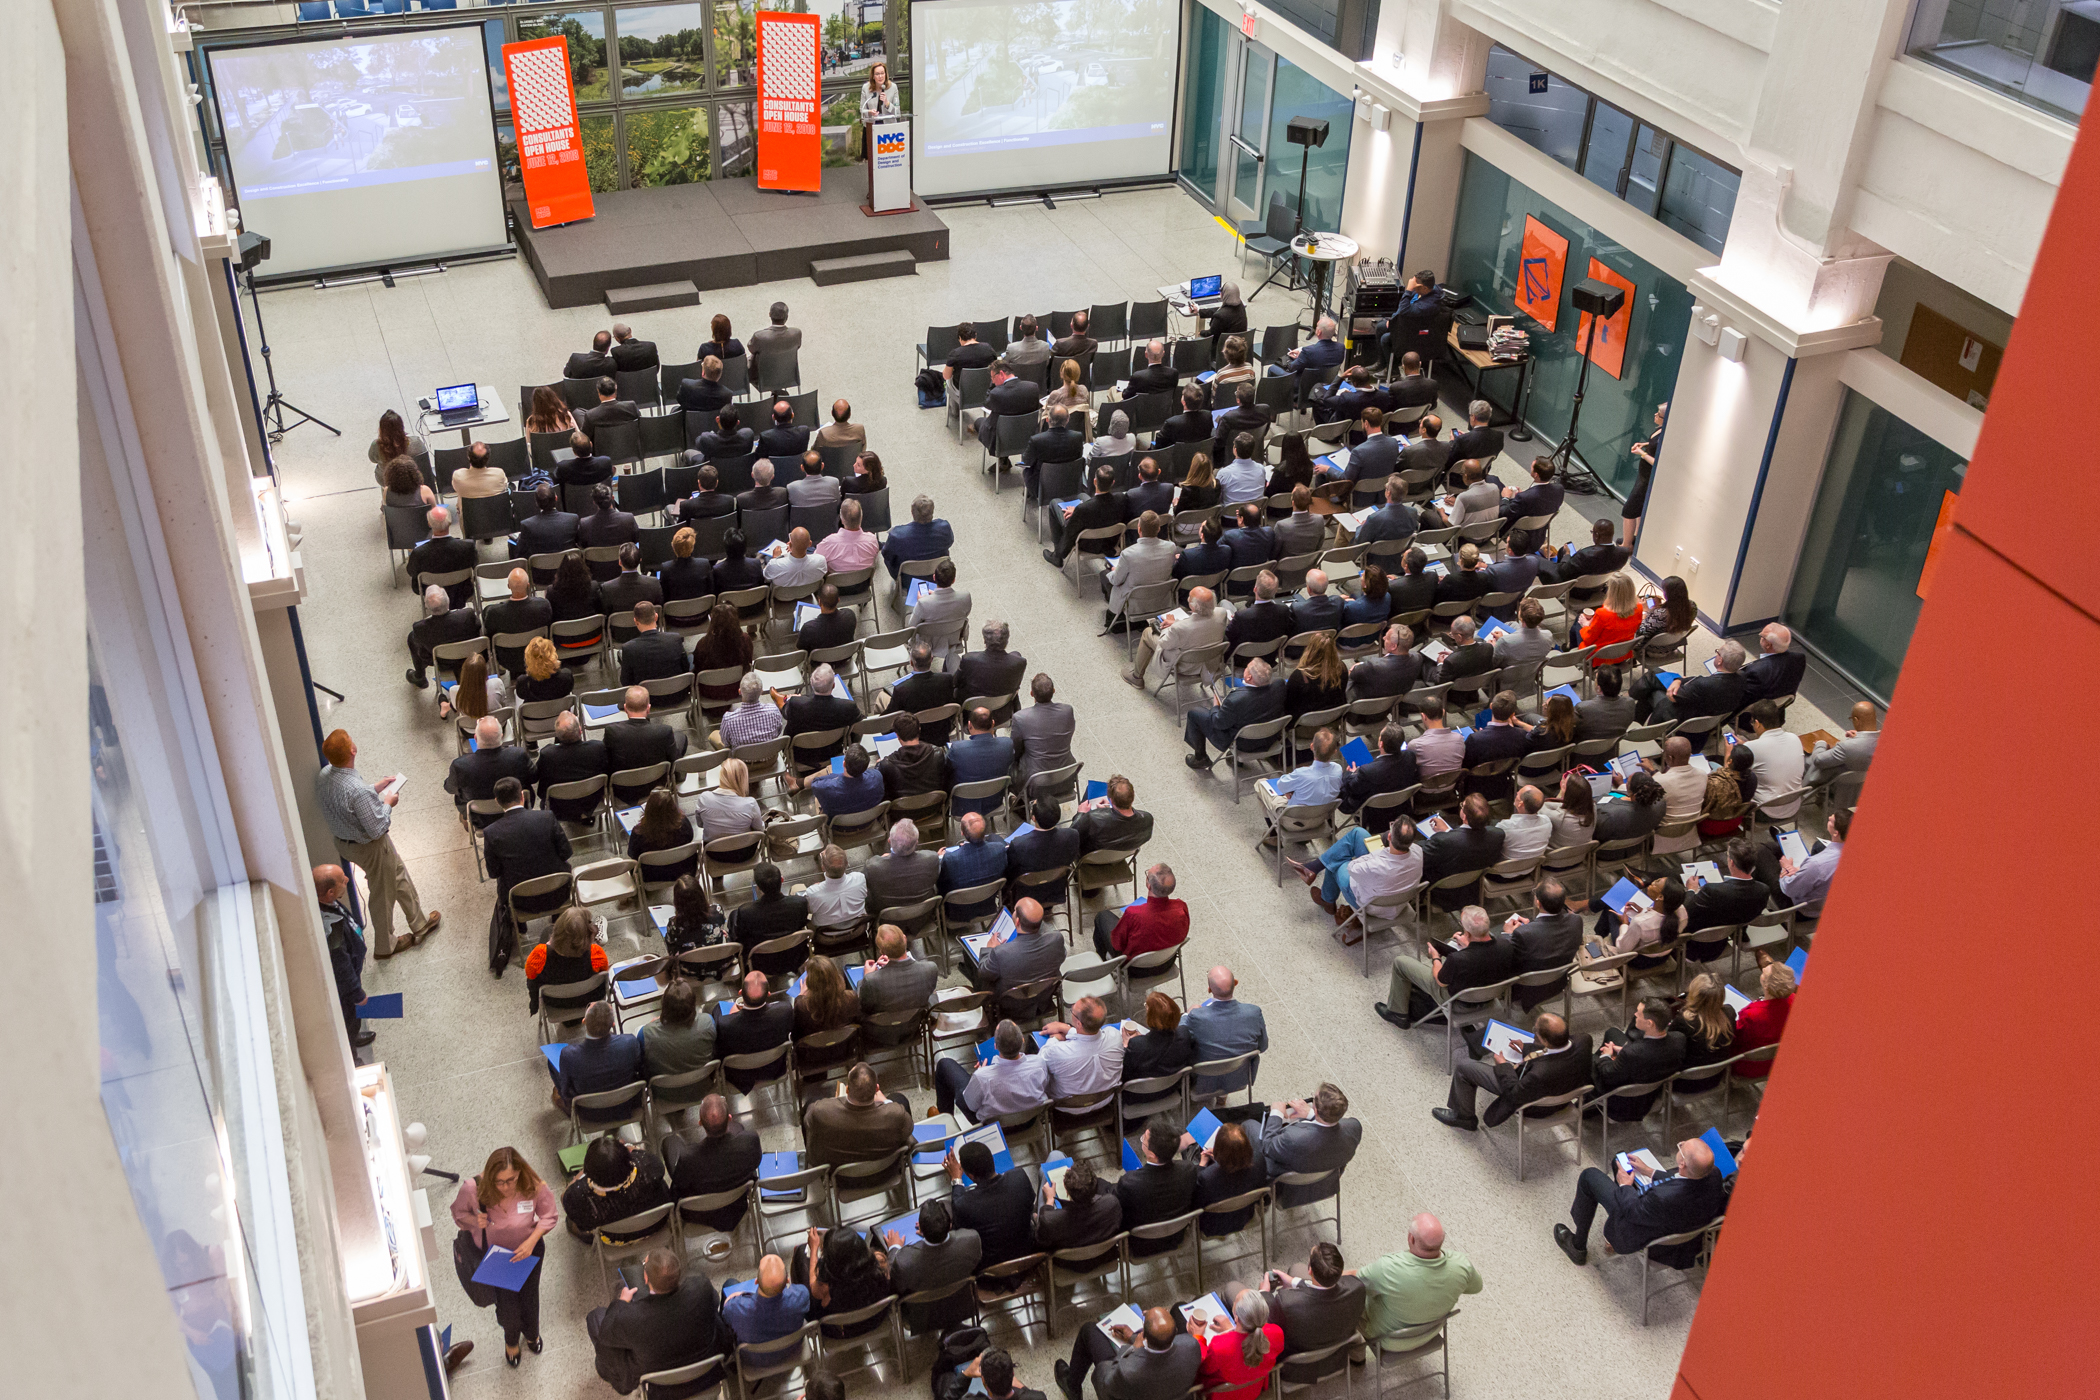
330	115
1002	75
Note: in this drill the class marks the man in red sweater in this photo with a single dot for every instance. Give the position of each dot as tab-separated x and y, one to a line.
1157	921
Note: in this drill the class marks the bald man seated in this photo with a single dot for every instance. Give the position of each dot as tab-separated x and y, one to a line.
1160	1366
776	1309
1675	1201
1851	754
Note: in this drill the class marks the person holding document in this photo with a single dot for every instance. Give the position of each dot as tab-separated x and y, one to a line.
879	98
508	1206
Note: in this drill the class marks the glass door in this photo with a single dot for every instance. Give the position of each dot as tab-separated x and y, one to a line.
1248	134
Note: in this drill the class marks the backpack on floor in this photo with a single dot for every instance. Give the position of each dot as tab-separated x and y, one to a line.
932	387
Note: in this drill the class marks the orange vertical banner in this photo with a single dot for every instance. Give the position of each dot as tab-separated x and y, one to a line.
1541	266
1609	348
550	141
790	147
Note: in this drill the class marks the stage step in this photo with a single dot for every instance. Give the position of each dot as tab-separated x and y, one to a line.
898	263
655	297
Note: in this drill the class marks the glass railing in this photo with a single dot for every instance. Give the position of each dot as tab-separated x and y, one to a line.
2040	52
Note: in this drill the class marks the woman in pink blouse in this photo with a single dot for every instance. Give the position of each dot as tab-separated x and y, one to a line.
508	1205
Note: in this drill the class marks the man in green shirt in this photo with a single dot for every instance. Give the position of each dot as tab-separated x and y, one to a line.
1417	1286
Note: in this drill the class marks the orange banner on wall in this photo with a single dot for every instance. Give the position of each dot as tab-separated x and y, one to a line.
1609	348
550	143
1541	267
790	146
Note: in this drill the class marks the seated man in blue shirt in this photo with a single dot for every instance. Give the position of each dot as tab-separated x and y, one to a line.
1316	358
1209	555
774	1310
980	859
598	1062
858	789
1307	786
921	537
978	757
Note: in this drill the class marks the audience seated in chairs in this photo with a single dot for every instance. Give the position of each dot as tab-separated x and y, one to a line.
618	1180
1551	1065
1415	1285
1476	959
859	1123
1672	1202
442	623
726	1157
669	1323
1348	875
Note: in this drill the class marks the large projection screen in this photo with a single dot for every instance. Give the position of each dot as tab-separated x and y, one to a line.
1032	94
363	151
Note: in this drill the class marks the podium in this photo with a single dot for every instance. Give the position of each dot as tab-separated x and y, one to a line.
889	166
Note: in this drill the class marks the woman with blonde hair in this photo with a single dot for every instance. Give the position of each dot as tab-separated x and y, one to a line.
1706	1022
1760	1023
508	1206
550	414
682	575
1069	393
545	677
1199	489
728	808
1615	619
1238	1357
1321	681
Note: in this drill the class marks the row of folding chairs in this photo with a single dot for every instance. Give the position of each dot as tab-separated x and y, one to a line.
767	374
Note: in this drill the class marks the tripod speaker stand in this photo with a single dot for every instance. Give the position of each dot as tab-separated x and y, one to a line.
1304	133
1601	301
255	249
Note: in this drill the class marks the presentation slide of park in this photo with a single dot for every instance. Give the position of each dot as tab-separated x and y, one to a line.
1016	93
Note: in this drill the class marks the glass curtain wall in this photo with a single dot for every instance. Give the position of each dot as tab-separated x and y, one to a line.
1299	94
1855	593
1616	411
1251	91
1203	105
2040	52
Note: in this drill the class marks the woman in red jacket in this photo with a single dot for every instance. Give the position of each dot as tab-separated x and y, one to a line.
1615	619
1759	1024
1237	1359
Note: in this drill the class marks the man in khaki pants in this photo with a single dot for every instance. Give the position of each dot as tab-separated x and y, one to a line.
360	818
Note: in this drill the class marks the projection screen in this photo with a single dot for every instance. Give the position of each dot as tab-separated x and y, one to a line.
1030	94
362	151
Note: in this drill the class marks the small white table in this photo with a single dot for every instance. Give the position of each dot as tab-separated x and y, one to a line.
1323	251
489	410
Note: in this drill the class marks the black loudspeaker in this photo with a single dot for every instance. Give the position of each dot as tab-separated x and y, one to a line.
1307	131
1598	298
255	249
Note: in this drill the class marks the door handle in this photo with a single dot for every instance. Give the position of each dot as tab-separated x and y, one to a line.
1244	147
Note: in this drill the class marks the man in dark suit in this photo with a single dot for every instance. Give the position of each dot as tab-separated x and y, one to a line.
606	526
1150	493
1413	388
589	364
630	354
1542	497
1694	697
818	712
997	1205
1467	581
1260	699
1778	669
571	758
673	1325
756	1022
610	411
1393	520
783	438
978	757
549	530
442	623
472	777
726	1157
728	439
522	844
1309	1135
1549	938
1249	541
520	612
1676	1202
1112	822
1413	589
994	671
443	553
1259	620
1474	844
652	653
1009	397
1347	397
1243	417
1467	657
923	688
763	495
1317	1311
1046	846
586	467
1096	512
1393	770
770	914
637	741
1377	455
1162	1186
1552	1065
1478	440
705	394
1473	958
1209	555
1077	343
1318	610
1192	424
1498	739
627	590
1079	1211
1159	1366
1646	1052
1737	899
708	501
1394	671
1601	556
1060	442
1155	376
830	627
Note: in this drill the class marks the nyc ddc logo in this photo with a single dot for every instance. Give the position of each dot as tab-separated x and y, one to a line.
889	143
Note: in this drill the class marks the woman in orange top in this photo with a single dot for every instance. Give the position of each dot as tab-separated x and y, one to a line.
1759	1024
1615	619
570	954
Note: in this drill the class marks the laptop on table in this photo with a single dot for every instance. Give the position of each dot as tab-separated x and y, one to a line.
458	403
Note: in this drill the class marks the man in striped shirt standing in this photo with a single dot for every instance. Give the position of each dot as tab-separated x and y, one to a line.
361	819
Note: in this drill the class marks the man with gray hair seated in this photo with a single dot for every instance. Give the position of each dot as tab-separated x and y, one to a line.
905	875
992	673
1477	958
923	688
441	623
763	495
1012	1081
1692	697
1261	699
1323	354
921	537
1172	637
824	709
753	719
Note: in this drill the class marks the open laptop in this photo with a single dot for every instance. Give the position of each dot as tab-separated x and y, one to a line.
1205	290
458	403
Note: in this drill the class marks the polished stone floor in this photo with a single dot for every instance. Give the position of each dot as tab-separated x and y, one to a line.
466	1057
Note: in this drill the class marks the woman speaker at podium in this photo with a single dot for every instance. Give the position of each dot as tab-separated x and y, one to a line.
878	98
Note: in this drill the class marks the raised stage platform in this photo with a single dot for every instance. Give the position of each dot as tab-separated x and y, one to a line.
725	233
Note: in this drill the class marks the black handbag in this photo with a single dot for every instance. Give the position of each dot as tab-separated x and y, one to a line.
466	1258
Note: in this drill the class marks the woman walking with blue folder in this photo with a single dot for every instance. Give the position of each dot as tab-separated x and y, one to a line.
508	1207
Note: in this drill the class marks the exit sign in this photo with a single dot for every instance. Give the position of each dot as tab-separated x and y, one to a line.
1247	23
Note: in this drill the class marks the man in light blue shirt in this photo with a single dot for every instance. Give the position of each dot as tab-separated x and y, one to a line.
1307	786
1243	479
1012	1081
1808	883
776	1309
1223	1028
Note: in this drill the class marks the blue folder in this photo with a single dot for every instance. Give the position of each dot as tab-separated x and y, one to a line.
906	1226
918	586
780	1164
838	765
1615	898
600	711
499	1270
1095	788
1723	1158
1495	628
381	1008
1131	1160
1798	962
1567	690
930	1132
553	1054
1356	752
1203	1125
749	1285
1666	679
